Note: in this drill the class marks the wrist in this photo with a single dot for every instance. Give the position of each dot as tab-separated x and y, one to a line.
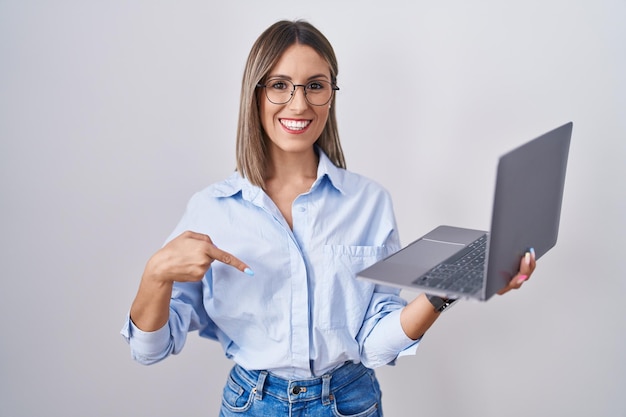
155	273
440	304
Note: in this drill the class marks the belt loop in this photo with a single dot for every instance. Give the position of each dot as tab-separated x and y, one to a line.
326	389
258	390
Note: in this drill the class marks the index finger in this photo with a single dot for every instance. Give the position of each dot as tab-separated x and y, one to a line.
226	258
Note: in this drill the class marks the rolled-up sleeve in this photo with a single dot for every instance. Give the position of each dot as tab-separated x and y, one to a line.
386	340
147	347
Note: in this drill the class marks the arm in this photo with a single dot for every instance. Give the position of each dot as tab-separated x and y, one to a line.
417	317
185	259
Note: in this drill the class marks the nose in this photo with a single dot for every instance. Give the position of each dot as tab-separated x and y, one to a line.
298	101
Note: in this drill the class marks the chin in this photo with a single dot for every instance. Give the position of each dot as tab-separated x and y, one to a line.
294	145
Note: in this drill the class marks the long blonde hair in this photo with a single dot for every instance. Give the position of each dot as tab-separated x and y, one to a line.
252	150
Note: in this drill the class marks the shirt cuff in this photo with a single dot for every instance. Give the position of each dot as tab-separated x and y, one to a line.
388	341
398	340
149	343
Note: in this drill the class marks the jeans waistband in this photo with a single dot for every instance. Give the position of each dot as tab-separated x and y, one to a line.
265	383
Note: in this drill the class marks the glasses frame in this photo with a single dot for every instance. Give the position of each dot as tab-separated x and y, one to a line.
333	87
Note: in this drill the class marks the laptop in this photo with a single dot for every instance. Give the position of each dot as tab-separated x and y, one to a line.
456	262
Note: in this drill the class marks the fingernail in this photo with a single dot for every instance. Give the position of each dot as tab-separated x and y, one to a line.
249	271
527	258
522	278
532	252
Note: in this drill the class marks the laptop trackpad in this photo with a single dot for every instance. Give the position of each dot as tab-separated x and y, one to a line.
425	254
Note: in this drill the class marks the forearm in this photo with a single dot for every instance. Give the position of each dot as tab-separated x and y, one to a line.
417	317
151	308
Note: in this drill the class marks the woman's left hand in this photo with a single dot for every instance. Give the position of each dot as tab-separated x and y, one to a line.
526	268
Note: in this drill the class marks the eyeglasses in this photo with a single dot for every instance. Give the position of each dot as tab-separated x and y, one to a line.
316	93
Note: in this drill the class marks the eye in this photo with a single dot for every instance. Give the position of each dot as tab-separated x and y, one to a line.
316	85
278	84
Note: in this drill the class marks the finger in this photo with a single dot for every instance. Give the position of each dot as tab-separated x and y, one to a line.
226	258
217	254
526	268
197	236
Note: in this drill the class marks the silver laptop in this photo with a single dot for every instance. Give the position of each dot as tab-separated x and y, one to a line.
465	263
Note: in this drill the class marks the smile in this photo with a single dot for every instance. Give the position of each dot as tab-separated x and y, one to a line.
295	125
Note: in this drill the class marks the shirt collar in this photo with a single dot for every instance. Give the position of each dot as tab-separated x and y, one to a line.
236	183
326	169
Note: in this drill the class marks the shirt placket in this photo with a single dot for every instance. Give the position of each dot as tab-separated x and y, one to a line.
300	285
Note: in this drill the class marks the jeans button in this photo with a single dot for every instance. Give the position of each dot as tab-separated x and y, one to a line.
295	390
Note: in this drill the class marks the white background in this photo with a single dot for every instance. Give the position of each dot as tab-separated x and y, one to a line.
113	113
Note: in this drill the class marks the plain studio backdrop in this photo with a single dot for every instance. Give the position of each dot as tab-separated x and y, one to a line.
113	113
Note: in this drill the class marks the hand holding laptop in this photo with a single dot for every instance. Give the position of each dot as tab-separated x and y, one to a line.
526	268
419	315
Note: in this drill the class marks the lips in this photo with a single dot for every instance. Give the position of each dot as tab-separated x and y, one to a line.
295	125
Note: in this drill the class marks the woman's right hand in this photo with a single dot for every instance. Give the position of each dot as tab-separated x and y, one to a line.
187	258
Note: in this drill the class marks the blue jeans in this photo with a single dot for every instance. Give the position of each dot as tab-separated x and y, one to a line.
349	391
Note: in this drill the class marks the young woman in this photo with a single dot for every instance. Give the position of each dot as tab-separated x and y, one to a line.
303	332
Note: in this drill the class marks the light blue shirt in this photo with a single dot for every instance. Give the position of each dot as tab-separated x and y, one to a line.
304	312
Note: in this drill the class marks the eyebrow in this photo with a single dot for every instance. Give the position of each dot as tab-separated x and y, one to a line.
286	77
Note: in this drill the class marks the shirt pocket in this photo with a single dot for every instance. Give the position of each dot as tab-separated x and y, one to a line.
348	298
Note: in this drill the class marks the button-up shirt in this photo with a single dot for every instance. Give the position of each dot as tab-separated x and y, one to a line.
304	312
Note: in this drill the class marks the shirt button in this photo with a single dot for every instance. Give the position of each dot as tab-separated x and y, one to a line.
300	209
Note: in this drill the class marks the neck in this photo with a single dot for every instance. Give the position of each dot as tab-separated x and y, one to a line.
293	167
290	175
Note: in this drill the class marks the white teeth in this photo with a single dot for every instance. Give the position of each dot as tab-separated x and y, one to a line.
295	124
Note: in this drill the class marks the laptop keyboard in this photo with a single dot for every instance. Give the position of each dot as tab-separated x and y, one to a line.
462	272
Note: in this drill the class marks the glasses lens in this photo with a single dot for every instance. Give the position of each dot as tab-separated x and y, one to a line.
280	91
319	93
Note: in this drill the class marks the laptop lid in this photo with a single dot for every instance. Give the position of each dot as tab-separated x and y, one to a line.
526	208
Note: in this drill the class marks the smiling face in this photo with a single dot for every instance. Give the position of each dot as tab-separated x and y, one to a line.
294	127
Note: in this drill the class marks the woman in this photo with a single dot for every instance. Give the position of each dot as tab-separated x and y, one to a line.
303	332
